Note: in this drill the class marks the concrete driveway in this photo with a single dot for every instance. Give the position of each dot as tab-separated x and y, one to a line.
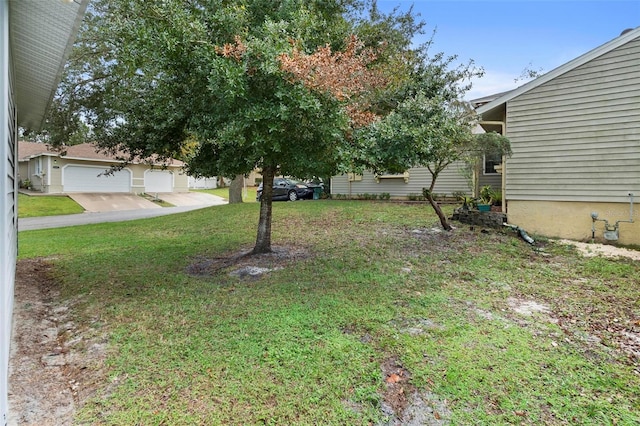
120	208
109	202
180	199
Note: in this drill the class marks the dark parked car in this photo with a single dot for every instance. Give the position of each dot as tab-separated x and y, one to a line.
288	189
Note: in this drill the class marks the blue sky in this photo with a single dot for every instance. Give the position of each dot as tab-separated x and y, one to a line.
507	36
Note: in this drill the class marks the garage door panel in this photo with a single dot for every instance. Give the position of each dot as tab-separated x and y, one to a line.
93	179
158	181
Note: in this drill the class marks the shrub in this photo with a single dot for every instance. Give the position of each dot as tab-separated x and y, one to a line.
489	195
497	197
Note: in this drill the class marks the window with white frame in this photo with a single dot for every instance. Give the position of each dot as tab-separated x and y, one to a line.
38	166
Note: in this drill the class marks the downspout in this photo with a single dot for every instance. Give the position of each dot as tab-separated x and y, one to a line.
476	178
504	183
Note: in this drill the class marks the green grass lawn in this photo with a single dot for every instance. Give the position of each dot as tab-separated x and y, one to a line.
376	306
46	205
249	197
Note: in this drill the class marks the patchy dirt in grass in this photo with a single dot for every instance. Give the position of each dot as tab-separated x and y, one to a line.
404	405
595	249
621	330
398	388
622	336
55	364
247	265
527	307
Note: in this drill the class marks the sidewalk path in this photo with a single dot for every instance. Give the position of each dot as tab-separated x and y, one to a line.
31	223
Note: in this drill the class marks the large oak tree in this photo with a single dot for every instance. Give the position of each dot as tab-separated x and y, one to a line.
290	87
151	78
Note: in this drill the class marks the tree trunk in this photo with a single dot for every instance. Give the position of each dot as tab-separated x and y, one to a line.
263	240
436	207
235	189
438	210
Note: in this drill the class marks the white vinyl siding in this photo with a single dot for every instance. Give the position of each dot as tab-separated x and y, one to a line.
8	222
493	180
92	179
450	180
577	136
35	37
203	183
158	181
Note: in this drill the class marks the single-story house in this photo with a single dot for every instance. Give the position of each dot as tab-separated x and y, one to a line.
81	168
454	179
575	136
403	185
35	40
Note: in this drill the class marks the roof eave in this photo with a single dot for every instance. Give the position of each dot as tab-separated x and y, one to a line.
42	35
107	160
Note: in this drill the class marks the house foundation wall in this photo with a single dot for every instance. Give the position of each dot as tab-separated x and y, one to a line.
572	220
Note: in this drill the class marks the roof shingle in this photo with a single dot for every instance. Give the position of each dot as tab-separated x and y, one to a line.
84	151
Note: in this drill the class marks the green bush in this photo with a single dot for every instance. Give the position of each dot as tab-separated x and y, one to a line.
489	195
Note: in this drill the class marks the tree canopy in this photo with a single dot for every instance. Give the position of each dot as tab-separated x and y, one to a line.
233	86
429	124
291	87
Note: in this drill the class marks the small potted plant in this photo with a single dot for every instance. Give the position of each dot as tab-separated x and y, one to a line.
486	198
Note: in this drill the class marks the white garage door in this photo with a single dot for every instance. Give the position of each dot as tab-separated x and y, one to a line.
86	179
158	181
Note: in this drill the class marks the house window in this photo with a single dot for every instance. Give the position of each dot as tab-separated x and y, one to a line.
38	166
404	176
490	161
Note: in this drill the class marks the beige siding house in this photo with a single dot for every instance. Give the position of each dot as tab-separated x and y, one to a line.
80	168
35	38
575	135
403	185
455	178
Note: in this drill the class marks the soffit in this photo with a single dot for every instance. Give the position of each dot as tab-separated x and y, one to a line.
41	35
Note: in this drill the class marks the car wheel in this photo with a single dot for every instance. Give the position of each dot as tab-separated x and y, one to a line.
293	195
